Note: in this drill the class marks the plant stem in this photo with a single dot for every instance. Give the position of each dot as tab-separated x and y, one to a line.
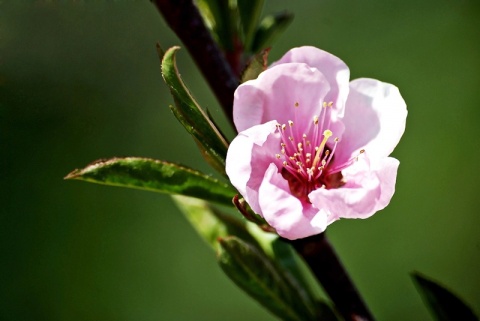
185	20
326	266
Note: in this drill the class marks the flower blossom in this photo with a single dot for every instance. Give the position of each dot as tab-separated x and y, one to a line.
313	147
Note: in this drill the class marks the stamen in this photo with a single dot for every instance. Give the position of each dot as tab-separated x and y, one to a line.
341	167
326	135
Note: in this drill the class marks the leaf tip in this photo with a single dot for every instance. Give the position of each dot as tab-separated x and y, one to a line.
73	174
77	173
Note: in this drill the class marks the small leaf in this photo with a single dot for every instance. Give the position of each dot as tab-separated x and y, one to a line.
250	13
209	222
257	275
444	305
255	66
270	28
220	19
192	117
157	176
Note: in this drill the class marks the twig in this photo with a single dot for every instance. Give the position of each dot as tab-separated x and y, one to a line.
185	20
325	264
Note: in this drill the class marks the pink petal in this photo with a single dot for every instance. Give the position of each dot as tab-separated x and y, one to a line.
248	157
334	69
369	188
290	217
374	120
274	94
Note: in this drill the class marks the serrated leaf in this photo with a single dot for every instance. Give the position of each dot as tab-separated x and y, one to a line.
157	176
270	28
257	275
209	222
444	305
250	13
193	118
257	64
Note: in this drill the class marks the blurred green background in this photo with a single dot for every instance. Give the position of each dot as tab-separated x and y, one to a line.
80	81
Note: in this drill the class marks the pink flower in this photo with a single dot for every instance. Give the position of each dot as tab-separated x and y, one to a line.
313	148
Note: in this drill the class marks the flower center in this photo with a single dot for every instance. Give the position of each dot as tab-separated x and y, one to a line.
306	159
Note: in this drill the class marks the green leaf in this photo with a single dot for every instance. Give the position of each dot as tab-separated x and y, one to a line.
209	222
219	16
250	13
157	176
291	263
270	28
255	66
444	305
257	275
210	141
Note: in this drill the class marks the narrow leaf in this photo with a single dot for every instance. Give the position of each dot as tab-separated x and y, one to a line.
209	222
250	13
270	28
157	176
257	275
292	265
443	304
192	117
218	17
255	66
